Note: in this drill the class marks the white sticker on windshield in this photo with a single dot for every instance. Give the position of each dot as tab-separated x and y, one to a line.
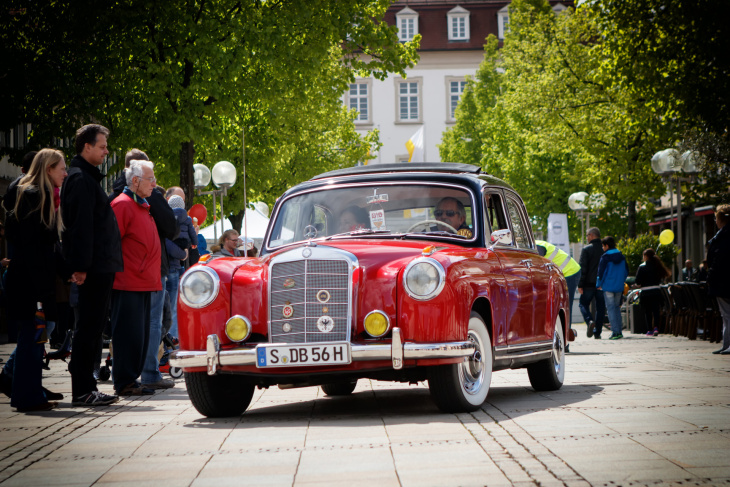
377	219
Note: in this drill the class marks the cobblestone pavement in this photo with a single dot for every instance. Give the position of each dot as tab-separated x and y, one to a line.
639	411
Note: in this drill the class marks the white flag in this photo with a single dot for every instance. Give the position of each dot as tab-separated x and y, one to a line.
415	146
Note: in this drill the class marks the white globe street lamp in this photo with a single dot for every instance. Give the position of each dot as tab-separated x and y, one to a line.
585	206
669	163
224	177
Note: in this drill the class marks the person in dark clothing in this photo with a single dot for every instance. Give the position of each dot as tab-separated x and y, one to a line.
93	251
649	276
167	227
33	228
590	256
718	270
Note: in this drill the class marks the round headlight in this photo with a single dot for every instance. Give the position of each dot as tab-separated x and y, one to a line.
376	324
424	278
199	287
238	328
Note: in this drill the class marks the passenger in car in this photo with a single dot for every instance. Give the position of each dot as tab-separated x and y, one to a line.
353	218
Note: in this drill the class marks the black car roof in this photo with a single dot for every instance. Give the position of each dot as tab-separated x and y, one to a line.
447	167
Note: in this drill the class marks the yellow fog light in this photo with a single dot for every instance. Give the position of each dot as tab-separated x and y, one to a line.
377	324
238	328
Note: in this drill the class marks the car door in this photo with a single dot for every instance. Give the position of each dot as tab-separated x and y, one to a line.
518	279
539	273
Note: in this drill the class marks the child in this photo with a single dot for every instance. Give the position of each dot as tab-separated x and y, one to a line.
188	237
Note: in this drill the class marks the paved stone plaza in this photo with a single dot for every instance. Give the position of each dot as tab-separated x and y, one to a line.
639	411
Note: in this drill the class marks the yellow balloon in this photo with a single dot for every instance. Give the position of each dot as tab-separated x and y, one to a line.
666	237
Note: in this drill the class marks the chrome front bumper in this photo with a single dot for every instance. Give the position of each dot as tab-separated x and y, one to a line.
396	352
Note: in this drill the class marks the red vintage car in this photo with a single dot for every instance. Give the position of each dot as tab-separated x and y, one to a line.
408	273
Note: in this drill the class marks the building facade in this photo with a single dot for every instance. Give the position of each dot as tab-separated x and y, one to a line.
452	47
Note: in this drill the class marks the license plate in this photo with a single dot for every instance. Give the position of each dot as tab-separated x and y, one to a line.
300	354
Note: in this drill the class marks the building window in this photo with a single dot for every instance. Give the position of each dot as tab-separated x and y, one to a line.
409	100
407	21
358	98
455	87
458	22
503	21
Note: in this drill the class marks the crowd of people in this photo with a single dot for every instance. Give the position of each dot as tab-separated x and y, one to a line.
119	256
603	273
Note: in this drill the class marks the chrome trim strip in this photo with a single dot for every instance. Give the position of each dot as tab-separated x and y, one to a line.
523	350
212	349
360	353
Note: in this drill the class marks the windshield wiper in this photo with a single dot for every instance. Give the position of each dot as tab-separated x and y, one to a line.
364	231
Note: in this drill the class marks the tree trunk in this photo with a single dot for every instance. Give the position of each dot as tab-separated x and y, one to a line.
187	153
631	214
237	221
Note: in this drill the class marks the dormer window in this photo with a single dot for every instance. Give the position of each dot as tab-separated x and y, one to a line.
458	22
503	21
407	20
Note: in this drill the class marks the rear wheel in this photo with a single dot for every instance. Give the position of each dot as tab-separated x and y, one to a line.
464	387
548	374
339	388
218	396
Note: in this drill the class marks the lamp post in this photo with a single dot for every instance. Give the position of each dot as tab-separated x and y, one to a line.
582	203
224	177
669	163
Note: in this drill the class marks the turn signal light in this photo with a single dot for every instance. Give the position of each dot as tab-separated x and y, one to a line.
376	324
238	328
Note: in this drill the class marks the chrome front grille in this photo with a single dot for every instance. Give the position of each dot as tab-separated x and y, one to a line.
309	297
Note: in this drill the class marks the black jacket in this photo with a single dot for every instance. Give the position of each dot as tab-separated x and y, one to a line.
31	275
590	256
718	264
91	241
162	214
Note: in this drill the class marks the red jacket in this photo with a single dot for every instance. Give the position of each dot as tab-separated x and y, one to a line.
140	246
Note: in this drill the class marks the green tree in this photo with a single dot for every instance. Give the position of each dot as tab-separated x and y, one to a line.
186	80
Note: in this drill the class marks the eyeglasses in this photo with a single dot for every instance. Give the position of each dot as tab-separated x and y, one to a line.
449	213
151	180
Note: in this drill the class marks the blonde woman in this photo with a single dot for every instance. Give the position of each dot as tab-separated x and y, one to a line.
34	224
227	245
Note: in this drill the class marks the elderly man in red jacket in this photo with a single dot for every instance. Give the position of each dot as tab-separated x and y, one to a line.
133	286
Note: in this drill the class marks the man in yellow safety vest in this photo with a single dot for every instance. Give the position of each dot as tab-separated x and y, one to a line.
567	265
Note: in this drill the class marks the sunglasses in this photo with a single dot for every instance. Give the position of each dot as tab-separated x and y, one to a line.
448	213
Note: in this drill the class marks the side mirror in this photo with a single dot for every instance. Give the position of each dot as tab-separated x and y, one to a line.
501	237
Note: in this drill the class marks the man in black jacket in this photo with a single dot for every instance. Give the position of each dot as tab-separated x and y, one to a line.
589	258
167	227
92	248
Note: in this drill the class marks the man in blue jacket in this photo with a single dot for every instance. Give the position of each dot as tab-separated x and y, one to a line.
612	272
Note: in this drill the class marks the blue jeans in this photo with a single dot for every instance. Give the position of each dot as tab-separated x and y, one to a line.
584	304
613	305
572	282
27	368
9	367
151	369
173	283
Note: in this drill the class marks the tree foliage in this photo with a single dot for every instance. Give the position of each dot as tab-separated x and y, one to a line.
188	80
569	114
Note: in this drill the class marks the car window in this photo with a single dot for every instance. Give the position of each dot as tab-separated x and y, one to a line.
519	225
495	214
429	209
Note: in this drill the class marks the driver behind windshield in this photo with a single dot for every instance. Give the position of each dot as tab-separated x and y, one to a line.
451	211
353	218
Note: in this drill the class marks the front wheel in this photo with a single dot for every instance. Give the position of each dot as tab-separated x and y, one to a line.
219	396
464	387
548	374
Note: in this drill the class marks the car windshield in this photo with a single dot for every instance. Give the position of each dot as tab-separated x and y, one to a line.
423	210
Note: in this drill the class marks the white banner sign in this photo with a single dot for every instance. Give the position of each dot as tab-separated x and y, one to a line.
558	234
